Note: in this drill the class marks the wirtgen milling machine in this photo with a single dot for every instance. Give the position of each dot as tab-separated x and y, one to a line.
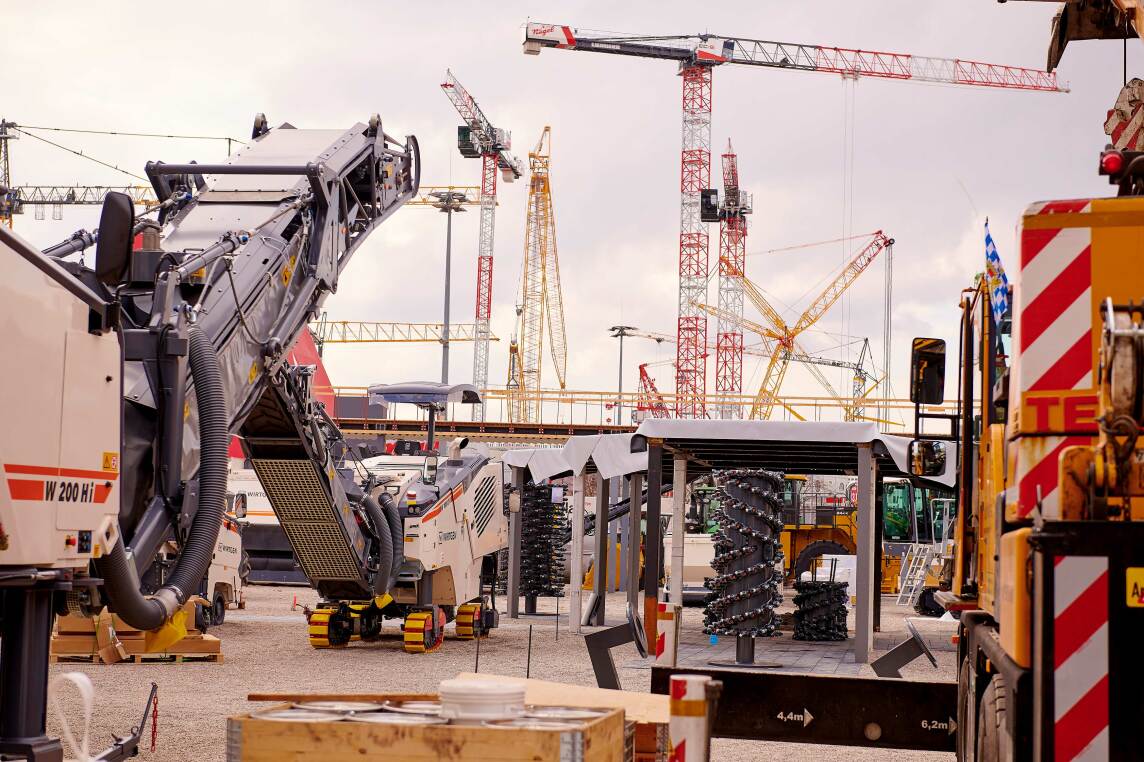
450	524
128	377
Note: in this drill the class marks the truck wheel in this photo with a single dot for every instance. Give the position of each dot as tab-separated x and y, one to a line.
926	605
993	741
218	610
966	713
812	551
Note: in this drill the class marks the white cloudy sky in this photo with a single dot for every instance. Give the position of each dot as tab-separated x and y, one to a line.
930	162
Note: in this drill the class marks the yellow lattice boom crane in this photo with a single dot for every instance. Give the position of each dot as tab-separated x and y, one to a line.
541	303
786	337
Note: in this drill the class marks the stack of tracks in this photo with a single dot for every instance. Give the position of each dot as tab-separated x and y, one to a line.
821	612
543	526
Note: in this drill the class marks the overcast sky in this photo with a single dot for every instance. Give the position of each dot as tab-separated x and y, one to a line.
930	162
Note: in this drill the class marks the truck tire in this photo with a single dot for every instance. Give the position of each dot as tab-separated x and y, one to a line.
993	741
813	551
218	610
926	605
966	713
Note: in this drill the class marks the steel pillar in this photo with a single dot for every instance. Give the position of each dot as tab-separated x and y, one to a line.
865	591
653	541
513	586
600	562
678	533
632	530
576	563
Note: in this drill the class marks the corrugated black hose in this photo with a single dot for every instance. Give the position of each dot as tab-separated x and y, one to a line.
120	578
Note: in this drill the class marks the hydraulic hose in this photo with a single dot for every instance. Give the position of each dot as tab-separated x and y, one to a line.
120	578
396	530
385	558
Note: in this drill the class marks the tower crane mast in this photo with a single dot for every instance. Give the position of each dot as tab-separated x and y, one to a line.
697	55
477	138
735	206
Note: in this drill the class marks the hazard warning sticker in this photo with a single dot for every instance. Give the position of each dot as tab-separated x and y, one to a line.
1134	586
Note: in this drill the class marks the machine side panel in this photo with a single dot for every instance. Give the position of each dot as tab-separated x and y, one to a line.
56	379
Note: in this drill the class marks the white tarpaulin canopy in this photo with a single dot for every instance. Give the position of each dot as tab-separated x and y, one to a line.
803	447
610	455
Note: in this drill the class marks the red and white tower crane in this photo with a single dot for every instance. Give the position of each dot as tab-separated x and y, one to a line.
477	138
735	206
697	54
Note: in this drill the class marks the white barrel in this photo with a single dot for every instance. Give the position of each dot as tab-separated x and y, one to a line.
688	722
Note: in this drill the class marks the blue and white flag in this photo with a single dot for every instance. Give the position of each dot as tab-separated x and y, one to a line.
998	283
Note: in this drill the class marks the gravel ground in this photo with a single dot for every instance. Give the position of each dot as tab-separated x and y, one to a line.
266	650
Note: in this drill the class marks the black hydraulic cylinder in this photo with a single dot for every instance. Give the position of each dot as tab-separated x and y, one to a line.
25	637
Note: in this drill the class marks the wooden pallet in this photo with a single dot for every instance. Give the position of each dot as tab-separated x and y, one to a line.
206	648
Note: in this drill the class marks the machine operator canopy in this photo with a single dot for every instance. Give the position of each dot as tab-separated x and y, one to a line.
425	394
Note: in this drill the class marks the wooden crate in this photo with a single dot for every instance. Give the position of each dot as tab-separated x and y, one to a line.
252	740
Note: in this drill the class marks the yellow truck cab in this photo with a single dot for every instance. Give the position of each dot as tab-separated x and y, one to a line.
1048	539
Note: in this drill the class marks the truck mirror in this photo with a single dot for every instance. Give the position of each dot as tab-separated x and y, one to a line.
927	371
927	457
236	505
429	469
116	231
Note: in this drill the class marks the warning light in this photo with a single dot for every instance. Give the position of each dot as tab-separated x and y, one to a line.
1111	162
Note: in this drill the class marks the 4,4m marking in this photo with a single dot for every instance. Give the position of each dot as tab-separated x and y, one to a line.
804	717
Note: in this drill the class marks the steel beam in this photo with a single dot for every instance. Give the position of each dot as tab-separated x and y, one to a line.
825	709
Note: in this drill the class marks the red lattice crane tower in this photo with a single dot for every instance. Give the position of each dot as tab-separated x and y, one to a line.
733	213
696	55
477	138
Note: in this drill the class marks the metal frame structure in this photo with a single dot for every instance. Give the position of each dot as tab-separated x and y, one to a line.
364	331
492	146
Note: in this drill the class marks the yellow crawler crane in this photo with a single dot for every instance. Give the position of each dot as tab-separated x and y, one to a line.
541	301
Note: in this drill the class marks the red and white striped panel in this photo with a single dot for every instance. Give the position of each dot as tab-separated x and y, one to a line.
1080	658
1052	340
1125	123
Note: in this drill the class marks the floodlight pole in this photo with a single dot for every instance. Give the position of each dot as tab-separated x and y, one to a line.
620	331
448	202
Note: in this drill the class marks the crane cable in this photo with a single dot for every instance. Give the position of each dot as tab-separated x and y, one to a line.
81	154
134	134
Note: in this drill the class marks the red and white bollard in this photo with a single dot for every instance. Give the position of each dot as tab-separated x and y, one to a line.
688	722
667	634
